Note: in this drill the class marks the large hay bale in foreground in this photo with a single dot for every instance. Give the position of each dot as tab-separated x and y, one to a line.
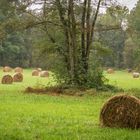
7	79
18	69
136	75
7	69
18	77
121	111
110	71
35	73
44	74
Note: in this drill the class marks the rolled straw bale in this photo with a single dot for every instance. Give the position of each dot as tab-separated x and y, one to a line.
18	69
121	111
7	79
35	73
7	69
39	69
44	74
136	75
18	77
110	71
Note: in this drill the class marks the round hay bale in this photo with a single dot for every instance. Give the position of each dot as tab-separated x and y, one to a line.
7	79
44	74
35	73
121	111
129	70
18	77
39	69
18	69
136	75
7	69
110	71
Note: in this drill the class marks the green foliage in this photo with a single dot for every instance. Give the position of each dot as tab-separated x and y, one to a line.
113	39
132	45
13	48
134	21
100	50
13	51
129	50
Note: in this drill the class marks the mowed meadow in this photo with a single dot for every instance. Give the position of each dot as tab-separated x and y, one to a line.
124	80
26	116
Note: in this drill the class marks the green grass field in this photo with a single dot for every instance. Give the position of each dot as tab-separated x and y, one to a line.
43	117
124	80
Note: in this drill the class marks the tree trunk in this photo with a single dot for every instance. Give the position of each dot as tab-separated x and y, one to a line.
69	28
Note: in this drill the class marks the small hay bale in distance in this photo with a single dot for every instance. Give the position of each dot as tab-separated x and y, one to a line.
7	69
39	69
18	77
35	73
44	74
7	79
129	70
18	69
136	75
110	71
121	111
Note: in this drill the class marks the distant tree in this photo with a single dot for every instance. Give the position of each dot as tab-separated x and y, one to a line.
113	39
128	53
132	46
134	23
13	44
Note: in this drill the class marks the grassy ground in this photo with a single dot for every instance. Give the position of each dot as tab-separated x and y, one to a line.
124	80
42	117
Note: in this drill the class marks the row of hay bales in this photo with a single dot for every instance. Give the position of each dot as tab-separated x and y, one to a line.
39	72
18	76
9	69
134	74
36	72
8	79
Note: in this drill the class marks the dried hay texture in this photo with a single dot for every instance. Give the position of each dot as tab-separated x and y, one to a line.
35	73
18	69
7	69
39	69
44	74
110	71
121	111
18	77
7	79
136	75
